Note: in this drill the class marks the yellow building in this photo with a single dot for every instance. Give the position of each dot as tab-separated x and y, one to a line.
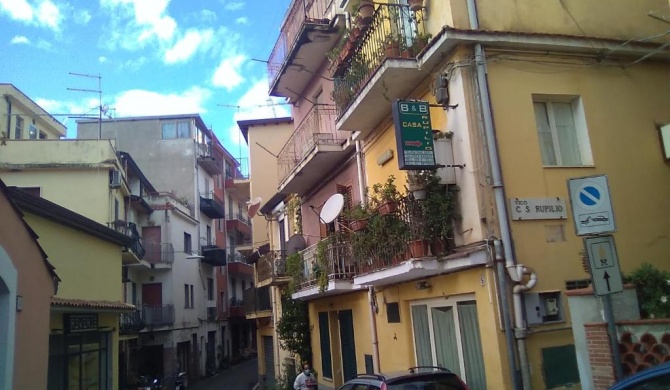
265	138
22	118
523	97
85	311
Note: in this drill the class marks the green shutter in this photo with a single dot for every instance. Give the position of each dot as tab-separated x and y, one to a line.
424	356
324	336
349	366
475	372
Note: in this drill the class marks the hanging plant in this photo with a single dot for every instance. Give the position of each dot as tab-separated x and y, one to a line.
293	329
321	266
294	268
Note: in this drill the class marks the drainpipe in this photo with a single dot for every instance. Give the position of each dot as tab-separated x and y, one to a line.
359	168
515	271
9	117
373	328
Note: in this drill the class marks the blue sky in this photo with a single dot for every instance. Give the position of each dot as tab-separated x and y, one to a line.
154	57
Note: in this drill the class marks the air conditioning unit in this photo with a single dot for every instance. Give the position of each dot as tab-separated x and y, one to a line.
114	178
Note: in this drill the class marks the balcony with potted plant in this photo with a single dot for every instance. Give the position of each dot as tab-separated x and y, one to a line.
387	48
310	29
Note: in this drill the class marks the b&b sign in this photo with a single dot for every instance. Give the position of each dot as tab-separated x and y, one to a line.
414	135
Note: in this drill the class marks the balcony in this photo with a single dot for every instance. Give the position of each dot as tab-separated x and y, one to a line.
329	268
257	302
156	316
211	205
236	265
314	148
237	178
207	160
159	254
307	34
240	222
236	308
212	314
130	323
380	66
135	252
213	255
271	269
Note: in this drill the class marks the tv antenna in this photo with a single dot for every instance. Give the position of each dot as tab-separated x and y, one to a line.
101	109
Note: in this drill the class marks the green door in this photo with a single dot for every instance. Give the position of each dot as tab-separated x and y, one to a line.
347	343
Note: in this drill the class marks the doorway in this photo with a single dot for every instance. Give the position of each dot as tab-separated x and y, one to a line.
151	240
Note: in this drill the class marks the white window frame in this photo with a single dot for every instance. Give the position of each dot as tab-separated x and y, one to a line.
441	302
581	129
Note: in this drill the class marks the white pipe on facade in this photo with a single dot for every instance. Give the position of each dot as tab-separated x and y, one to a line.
373	328
516	272
359	168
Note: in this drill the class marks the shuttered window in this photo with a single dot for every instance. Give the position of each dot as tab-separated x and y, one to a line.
324	336
349	366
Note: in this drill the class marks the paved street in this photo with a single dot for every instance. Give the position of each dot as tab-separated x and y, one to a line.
240	377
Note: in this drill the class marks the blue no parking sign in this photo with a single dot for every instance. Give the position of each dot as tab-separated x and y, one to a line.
591	205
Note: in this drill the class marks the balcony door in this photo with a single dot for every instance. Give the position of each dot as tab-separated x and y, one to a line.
151	237
152	302
404	23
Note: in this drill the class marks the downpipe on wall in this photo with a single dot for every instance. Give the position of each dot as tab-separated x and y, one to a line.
373	327
515	271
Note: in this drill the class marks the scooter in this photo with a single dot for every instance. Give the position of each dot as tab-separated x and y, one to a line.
181	382
145	382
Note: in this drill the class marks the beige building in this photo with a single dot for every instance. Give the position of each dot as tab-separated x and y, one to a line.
22	118
27	282
265	138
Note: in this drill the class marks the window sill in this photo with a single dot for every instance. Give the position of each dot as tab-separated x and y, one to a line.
568	166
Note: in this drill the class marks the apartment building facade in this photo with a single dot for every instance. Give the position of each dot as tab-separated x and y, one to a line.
492	78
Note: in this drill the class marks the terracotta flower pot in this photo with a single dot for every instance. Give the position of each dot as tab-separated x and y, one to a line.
415	5
365	10
392	50
419	248
358	225
387	207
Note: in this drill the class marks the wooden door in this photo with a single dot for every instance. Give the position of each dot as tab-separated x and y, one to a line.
152	294
151	239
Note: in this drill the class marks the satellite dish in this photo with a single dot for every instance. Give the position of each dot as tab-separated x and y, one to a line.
253	207
332	208
295	244
263	249
104	108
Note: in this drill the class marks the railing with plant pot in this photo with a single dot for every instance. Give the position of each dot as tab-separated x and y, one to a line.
329	259
394	31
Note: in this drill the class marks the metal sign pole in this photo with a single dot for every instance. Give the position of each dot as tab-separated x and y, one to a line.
611	332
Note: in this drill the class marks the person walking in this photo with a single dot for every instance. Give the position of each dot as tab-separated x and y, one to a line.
306	380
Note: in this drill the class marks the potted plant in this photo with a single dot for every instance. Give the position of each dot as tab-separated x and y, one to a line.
415	5
365	11
419	42
358	217
392	46
386	196
417	182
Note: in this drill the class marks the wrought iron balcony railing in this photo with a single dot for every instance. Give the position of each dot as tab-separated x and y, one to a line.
257	299
301	12
271	265
329	259
130	322
394	32
130	230
158	315
318	128
159	253
239	172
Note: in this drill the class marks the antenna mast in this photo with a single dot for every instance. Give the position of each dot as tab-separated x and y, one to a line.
98	91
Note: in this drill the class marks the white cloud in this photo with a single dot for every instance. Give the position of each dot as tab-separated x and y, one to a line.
49	15
17	9
82	16
46	14
20	39
136	23
133	64
67	112
44	45
227	74
242	20
139	102
207	15
102	59
256	104
233	5
184	49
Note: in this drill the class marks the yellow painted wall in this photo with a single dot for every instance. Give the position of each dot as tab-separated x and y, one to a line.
89	267
621	107
396	343
30	112
105	320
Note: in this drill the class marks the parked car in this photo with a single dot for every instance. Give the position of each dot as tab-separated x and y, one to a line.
416	378
655	378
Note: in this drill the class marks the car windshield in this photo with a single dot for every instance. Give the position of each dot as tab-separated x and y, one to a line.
432	382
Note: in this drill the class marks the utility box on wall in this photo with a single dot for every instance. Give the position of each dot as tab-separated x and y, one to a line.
544	307
444	155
